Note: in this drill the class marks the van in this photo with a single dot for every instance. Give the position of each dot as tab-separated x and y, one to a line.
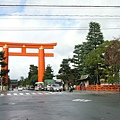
39	86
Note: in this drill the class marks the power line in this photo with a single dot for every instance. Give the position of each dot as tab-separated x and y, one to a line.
60	6
57	17
50	29
60	15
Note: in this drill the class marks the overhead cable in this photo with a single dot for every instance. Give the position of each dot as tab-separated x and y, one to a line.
51	29
63	6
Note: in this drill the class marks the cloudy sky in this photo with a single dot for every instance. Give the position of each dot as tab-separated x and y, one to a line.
66	26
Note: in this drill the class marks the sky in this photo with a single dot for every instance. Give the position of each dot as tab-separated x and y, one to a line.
66	26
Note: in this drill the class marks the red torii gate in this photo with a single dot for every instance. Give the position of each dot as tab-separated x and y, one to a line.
41	55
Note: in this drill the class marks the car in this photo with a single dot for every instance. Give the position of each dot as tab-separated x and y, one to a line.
20	88
55	87
47	88
31	88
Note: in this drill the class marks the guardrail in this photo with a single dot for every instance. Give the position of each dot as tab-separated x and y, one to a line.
115	88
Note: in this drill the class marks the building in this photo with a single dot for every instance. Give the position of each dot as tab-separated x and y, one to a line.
13	84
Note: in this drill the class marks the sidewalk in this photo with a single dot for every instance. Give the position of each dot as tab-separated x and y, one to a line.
95	92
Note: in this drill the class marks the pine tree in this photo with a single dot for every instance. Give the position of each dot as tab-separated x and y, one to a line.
65	70
33	70
95	36
33	74
78	59
48	72
94	39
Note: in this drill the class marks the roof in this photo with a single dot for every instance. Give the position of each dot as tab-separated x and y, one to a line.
13	80
49	80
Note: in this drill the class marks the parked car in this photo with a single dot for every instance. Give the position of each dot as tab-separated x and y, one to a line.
20	88
47	87
31	88
55	87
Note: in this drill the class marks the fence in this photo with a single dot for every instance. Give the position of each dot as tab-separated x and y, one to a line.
115	88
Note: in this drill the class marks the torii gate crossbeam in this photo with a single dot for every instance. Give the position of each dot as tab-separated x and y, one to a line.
23	46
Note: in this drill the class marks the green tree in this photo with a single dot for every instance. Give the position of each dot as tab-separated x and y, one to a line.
3	71
112	57
94	39
95	36
33	79
33	70
78	60
95	60
32	74
64	72
48	73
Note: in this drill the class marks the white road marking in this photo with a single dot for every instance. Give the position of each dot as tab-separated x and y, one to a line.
46	93
31	93
21	93
8	94
2	94
27	93
15	94
82	100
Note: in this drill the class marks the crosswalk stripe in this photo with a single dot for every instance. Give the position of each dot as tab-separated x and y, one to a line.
27	93
21	93
31	93
2	94
8	94
15	94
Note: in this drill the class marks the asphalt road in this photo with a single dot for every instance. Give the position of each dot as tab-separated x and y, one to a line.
42	105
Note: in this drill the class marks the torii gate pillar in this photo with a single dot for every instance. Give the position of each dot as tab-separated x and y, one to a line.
41	64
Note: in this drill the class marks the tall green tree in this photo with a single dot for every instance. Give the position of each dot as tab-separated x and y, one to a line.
48	72
94	39
95	36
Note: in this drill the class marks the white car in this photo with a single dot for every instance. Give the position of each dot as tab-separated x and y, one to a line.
20	88
55	87
48	87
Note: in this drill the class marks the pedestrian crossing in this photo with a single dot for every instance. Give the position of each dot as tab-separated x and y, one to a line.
31	93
